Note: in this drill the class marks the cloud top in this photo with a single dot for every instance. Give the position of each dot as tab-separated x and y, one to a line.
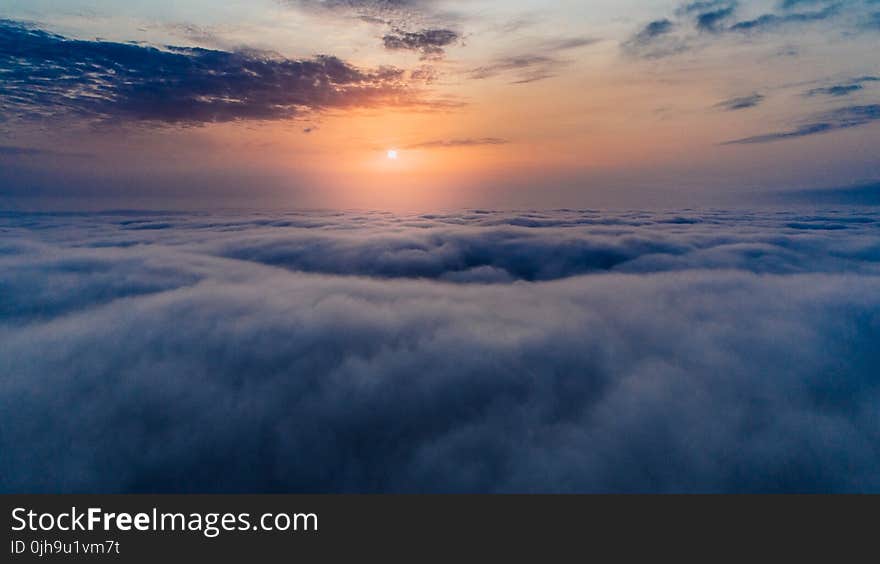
568	351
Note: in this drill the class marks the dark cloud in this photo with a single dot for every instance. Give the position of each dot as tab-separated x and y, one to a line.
836	90
15	151
844	89
705	6
697	21
430	43
425	73
653	30
713	19
136	360
48	75
467	142
841	118
769	21
741	103
412	25
654	41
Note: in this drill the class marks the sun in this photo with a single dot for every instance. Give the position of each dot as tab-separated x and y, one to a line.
392	154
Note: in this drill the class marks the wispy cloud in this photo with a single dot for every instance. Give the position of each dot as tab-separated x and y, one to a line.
541	62
421	26
466	142
695	23
16	151
530	68
845	88
653	30
741	103
391	12
769	21
654	40
841	118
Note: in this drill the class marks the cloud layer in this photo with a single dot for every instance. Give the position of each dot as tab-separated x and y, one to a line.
473	352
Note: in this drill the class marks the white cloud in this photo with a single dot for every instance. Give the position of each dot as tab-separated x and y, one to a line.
735	352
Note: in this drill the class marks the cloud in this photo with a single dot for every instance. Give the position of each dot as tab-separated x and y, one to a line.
425	73
567	43
654	41
201	35
400	14
741	103
412	25
367	7
15	151
466	142
711	16
530	68
137	360
47	75
844	89
430	43
769	21
541	62
698	23
703	6
841	118
653	30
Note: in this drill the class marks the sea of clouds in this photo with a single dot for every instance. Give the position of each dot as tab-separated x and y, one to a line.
565	351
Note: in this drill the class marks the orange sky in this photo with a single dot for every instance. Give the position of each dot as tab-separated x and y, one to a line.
574	104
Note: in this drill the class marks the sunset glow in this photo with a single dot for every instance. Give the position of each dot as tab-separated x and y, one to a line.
588	103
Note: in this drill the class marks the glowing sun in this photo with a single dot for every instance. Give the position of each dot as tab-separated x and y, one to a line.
392	154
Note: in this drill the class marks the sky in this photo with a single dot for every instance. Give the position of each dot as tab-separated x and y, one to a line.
516	104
